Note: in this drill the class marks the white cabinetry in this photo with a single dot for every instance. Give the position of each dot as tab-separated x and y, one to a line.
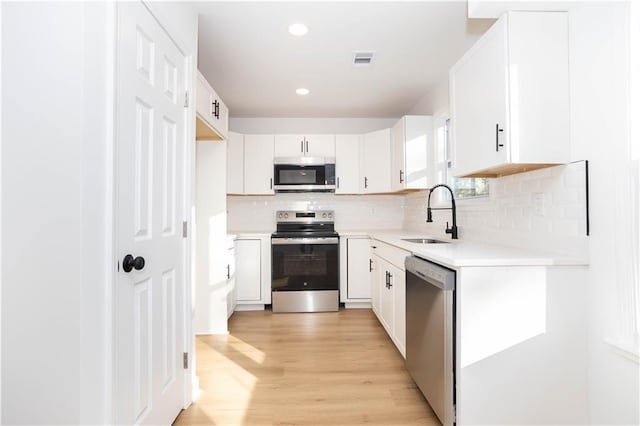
375	161
355	275
412	153
348	164
253	271
235	163
374	275
389	291
249	271
212	115
305	146
510	97
231	279
258	164
212	254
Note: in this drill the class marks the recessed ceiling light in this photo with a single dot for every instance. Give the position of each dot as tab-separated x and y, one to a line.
302	91
298	29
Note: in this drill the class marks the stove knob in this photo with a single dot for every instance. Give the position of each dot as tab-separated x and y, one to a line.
279	215
324	215
286	215
330	215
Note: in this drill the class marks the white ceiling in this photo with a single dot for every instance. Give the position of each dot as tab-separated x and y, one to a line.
255	65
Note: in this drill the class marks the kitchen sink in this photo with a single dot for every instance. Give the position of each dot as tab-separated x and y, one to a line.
424	241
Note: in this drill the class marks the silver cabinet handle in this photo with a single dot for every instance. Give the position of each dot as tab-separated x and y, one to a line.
302	146
271	183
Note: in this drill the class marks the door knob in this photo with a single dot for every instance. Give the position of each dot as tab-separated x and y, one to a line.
129	263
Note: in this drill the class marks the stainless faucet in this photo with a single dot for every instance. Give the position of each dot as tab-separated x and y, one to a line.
454	229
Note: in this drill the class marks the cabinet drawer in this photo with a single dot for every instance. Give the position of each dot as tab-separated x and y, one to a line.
393	255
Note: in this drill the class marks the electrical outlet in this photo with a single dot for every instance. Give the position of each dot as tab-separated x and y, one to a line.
538	204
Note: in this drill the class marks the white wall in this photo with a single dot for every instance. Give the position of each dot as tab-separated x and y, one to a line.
309	125
43	282
598	46
599	130
57	247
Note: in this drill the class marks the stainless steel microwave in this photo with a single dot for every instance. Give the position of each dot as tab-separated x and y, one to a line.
304	174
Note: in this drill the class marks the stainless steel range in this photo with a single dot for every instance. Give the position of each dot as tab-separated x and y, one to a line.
305	254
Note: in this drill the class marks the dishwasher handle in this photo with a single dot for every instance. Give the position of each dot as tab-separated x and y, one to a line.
434	274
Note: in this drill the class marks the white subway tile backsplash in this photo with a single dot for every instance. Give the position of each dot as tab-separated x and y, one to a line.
544	209
512	217
257	213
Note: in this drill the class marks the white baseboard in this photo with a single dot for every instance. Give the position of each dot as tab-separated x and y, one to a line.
249	307
357	305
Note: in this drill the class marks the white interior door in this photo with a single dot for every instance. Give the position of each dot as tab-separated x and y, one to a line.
150	113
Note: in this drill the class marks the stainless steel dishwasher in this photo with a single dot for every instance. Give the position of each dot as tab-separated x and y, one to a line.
431	334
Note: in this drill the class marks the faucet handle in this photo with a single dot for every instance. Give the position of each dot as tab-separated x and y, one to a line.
448	230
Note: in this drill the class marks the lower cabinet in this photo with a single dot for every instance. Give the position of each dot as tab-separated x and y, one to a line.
232	298
355	266
252	272
389	290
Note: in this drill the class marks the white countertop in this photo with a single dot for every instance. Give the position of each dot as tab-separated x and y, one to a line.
250	234
460	253
454	253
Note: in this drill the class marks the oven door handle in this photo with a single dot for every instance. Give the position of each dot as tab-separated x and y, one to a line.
297	241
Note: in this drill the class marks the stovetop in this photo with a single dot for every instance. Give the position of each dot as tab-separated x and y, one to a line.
304	224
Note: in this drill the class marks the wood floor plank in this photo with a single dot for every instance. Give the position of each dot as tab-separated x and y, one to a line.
337	368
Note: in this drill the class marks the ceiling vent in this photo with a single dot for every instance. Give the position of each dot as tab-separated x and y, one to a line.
362	59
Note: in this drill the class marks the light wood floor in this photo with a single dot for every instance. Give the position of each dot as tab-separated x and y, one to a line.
304	369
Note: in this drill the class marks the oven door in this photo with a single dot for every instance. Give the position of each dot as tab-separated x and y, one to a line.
301	264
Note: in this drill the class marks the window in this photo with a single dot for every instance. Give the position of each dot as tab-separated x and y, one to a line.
462	187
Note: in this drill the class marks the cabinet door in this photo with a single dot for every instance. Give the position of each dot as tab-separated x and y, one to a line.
398	288
231	282
258	164
289	146
376	164
203	99
320	146
386	297
248	254
358	275
348	164
374	276
397	156
479	103
419	152
235	163
219	115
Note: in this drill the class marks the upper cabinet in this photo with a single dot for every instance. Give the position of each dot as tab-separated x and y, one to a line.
412	153
364	163
258	164
212	115
235	163
375	163
305	146
510	97
348	164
